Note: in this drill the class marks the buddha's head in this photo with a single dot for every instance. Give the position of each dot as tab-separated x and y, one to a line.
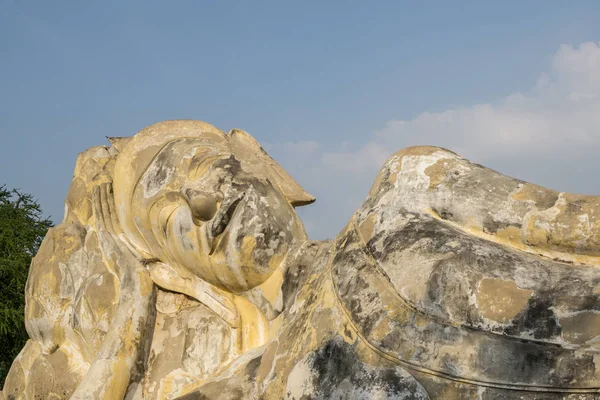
208	203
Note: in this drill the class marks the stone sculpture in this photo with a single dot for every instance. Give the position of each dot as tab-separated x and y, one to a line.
182	271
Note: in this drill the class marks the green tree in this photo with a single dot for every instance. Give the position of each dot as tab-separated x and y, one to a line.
22	228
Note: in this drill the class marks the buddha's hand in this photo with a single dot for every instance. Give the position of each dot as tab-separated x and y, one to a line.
113	242
120	358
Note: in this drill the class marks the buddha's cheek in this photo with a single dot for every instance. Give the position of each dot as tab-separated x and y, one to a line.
239	264
186	246
257	255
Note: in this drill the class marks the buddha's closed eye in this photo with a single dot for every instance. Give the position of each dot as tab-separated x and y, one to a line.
203	205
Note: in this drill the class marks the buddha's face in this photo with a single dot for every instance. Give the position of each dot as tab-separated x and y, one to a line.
208	214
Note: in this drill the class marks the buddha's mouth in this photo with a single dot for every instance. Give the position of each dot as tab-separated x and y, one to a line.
221	220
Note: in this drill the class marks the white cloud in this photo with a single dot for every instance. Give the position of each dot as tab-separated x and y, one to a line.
577	70
373	155
560	115
302	147
557	118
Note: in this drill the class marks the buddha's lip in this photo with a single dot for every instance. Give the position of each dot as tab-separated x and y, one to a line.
221	220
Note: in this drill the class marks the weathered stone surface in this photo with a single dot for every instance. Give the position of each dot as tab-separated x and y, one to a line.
181	270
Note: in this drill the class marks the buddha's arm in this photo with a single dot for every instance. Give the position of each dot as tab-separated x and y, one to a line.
217	300
235	310
120	358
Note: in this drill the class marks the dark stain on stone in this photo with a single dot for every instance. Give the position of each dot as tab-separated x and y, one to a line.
590	302
251	367
560	260
575	207
411	233
336	362
348	332
333	363
537	318
492	226
215	391
546	201
524	362
434	284
444	213
291	283
367	321
159	177
301	268
230	164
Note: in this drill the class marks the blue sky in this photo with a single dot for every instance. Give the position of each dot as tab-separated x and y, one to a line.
329	88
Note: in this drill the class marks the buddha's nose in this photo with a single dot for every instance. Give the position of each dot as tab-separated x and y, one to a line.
203	205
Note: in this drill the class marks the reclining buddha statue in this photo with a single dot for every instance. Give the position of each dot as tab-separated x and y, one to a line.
181	271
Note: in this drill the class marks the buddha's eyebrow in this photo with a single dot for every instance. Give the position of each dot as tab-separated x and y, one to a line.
202	160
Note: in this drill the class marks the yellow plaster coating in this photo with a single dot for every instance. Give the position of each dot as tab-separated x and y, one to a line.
254	327
271	289
441	171
511	234
367	227
501	300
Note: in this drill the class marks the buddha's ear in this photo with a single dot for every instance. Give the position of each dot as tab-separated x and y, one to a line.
257	160
118	142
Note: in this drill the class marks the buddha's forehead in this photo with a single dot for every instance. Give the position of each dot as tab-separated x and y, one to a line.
179	160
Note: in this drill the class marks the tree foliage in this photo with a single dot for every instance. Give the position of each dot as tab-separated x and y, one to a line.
22	228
